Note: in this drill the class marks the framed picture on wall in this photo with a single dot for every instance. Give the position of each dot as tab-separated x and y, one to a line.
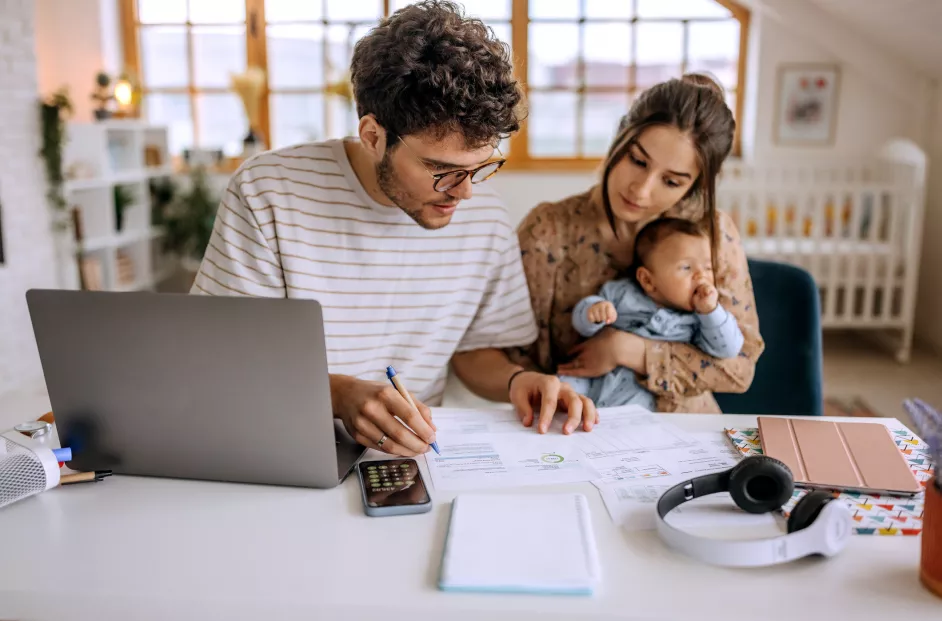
806	104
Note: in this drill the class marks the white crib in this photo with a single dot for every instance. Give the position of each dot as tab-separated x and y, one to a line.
856	227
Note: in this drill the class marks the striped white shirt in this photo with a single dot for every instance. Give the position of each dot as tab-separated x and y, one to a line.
297	223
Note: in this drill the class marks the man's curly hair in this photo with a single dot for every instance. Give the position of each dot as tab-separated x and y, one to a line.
427	67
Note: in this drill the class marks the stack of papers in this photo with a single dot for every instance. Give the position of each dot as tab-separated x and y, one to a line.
631	456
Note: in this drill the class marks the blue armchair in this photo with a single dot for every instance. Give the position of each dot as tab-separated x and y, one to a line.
789	374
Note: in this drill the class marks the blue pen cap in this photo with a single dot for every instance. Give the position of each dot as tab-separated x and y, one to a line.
390	372
63	454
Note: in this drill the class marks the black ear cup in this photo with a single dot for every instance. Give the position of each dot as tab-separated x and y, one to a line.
807	510
759	484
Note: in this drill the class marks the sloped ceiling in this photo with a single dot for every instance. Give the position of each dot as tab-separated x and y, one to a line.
911	30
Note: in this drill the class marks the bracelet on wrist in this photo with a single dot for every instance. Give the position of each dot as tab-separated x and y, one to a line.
512	377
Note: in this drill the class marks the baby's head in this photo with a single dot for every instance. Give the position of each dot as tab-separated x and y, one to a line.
672	258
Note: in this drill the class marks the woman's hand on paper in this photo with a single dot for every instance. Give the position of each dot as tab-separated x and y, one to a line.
603	352
367	410
537	395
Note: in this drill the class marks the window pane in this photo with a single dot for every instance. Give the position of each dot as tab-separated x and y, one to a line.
603	111
552	124
217	11
554	49
292	10
174	112
341	39
218	51
163	56
296	119
483	9
161	11
607	54
608	9
341	117
358	10
543	9
660	51
714	47
296	56
503	149
684	9
488	9
502	32
222	122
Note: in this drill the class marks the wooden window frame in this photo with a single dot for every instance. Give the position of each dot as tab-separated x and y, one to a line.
519	157
131	45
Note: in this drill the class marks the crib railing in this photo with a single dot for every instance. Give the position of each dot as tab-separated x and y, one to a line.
856	229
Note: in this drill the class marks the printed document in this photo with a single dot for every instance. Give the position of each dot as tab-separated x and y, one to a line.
483	449
631	500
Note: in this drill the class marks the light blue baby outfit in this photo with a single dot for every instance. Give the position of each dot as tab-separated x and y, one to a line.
716	334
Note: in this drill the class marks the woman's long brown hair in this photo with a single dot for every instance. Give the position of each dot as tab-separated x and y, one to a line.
695	105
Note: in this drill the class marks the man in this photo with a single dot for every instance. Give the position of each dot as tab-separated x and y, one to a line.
413	268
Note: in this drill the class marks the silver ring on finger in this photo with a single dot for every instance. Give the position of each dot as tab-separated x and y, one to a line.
381	440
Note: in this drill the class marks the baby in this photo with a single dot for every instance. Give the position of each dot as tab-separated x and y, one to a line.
672	297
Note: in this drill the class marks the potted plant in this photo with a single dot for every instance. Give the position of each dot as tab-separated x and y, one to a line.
162	193
123	198
53	113
187	217
104	95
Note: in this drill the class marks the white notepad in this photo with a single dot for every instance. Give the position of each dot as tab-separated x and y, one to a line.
539	543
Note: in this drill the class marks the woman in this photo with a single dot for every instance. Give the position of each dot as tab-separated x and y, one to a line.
664	161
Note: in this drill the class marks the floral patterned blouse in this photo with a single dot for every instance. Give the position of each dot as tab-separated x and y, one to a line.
568	253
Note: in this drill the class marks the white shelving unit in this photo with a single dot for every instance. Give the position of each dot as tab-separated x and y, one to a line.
118	252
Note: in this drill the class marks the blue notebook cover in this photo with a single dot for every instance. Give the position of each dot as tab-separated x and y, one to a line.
523	543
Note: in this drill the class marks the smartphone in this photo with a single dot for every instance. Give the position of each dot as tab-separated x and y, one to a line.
393	487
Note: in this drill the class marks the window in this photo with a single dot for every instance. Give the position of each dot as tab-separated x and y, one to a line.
184	51
582	63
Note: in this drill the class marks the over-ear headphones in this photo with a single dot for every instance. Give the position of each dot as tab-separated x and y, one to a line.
758	484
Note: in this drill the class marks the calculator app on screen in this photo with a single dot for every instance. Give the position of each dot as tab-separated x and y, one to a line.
393	482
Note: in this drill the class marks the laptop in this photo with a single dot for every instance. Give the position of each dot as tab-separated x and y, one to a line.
192	387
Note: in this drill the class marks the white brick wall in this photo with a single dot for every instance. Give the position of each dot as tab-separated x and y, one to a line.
27	237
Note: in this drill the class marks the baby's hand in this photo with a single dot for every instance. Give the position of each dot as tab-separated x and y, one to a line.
602	312
705	299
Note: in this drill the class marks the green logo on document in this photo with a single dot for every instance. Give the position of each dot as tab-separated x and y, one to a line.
551	458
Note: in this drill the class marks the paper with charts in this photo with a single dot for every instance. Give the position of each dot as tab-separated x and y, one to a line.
631	501
482	449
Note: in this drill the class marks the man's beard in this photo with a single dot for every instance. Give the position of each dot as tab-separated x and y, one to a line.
400	197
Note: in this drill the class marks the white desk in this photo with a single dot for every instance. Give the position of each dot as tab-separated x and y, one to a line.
136	548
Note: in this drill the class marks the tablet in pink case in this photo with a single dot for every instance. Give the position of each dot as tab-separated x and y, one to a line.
855	456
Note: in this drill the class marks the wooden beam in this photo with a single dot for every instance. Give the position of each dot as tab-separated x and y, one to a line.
736	8
131	45
519	35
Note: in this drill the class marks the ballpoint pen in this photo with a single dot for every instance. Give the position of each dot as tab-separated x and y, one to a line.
81	477
397	384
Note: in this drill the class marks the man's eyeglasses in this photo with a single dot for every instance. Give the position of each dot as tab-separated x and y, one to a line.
442	182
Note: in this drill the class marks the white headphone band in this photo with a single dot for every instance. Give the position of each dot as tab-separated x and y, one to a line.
826	535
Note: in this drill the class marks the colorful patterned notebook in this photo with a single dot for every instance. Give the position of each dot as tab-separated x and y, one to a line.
875	515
